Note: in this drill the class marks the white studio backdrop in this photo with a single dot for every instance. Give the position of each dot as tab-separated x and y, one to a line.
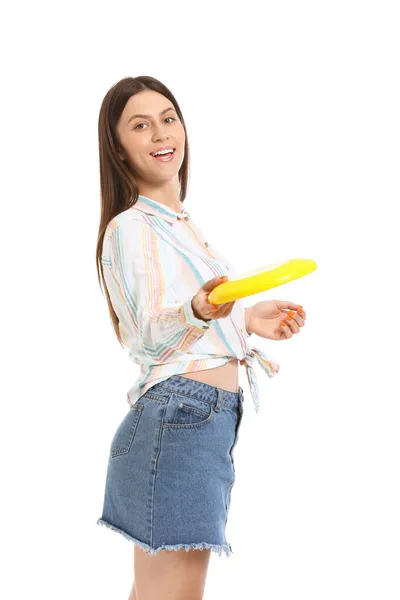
293	123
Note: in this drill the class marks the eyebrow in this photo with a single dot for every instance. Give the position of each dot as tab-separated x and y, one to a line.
149	116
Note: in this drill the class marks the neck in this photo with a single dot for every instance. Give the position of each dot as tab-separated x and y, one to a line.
168	194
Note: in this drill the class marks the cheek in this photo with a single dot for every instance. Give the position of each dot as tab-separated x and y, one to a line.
140	154
182	135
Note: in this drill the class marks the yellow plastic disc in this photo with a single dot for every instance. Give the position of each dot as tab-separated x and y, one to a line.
262	279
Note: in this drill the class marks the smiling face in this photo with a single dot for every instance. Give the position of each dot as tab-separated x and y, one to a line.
157	125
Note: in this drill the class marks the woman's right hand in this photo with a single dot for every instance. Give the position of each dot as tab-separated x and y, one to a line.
206	311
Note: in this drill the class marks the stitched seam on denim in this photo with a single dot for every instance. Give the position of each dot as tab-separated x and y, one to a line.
196	411
156	397
210	402
189	425
159	441
132	430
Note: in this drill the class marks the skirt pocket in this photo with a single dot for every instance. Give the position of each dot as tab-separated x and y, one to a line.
123	437
185	412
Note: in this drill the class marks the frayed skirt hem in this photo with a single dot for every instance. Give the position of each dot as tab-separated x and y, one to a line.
227	548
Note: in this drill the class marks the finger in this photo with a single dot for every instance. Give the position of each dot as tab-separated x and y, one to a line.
302	312
282	304
292	324
286	329
226	308
285	304
299	320
209	285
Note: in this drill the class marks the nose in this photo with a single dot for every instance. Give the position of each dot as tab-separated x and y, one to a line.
160	132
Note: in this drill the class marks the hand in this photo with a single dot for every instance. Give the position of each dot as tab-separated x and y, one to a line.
205	310
270	320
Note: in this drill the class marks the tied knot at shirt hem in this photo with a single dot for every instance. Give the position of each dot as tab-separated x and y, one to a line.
269	366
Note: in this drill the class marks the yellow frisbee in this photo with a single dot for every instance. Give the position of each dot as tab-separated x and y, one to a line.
262	279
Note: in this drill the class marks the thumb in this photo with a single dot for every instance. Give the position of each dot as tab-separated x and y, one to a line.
286	304
212	283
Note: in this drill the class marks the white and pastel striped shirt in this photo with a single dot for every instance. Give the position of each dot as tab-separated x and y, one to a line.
154	261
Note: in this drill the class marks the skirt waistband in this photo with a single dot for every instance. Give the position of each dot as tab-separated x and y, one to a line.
201	391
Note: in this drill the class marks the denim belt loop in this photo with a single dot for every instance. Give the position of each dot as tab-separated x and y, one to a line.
218	403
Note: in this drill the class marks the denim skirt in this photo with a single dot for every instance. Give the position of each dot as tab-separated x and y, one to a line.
170	468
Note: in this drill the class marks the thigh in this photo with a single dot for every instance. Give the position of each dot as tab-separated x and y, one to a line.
177	574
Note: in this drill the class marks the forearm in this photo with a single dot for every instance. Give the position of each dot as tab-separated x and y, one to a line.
169	332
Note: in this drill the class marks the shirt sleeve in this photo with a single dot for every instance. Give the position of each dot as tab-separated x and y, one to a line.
143	274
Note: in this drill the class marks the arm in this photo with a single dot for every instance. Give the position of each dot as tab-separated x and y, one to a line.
143	276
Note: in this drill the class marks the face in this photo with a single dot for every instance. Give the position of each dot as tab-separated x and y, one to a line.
140	136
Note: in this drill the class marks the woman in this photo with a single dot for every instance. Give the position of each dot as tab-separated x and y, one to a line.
170	470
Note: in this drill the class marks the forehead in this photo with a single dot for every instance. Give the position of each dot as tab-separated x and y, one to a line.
147	102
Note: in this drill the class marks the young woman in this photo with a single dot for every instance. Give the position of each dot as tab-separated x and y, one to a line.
170	470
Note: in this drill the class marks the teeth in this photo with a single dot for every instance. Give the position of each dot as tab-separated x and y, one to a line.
163	152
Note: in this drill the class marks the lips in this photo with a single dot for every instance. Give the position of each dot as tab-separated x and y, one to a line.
153	153
165	158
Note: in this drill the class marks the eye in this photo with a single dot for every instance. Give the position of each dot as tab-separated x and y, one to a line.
145	123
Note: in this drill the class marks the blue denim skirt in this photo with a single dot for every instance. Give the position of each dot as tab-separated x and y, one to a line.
170	469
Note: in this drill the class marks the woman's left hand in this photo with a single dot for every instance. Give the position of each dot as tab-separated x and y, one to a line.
270	319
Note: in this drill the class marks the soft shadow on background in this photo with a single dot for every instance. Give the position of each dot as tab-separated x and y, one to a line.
293	122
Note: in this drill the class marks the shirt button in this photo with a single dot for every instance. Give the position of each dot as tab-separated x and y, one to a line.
206	244
186	218
251	353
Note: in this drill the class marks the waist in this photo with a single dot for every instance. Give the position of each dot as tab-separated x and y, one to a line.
215	396
226	376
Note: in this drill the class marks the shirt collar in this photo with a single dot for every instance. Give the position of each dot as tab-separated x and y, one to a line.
152	207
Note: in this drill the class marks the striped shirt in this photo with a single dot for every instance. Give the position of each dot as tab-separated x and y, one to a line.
154	261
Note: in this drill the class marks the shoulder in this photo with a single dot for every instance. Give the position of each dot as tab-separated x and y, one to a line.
135	233
127	220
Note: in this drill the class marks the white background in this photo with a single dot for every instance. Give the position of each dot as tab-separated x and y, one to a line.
292	110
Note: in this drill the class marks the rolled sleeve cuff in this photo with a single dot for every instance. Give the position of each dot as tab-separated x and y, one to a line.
190	319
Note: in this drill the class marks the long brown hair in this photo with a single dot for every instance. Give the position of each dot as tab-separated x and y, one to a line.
118	187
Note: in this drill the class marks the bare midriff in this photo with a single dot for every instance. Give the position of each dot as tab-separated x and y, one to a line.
225	377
